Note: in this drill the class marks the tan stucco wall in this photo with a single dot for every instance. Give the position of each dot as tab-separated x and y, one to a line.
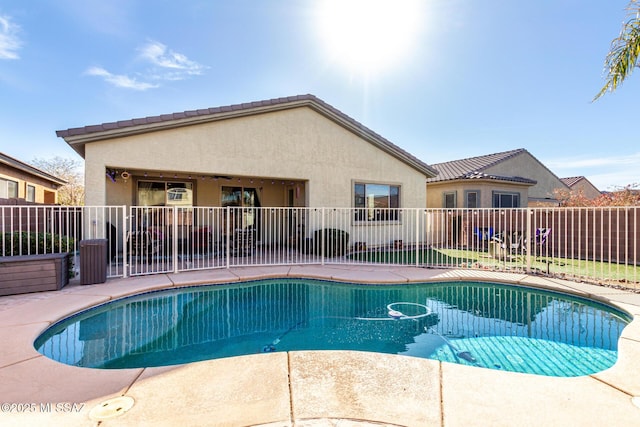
435	198
526	166
295	144
23	179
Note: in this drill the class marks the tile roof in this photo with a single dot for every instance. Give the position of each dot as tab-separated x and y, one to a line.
77	137
122	124
474	167
571	181
31	170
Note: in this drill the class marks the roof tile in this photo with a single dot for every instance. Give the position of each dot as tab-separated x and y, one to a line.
238	107
466	168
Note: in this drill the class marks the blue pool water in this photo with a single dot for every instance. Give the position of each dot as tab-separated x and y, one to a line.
486	325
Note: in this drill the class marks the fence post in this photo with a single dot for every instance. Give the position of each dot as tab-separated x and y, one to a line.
227	239
417	214
530	233
322	239
125	226
174	240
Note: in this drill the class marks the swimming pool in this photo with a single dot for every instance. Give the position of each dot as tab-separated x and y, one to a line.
480	324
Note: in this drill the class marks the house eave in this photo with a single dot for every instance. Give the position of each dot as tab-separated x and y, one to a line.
77	138
481	180
26	168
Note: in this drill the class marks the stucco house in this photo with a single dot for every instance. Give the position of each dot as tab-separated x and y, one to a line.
288	152
583	185
508	179
20	181
295	151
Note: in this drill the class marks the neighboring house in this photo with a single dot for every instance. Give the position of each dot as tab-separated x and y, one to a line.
20	181
509	179
583	185
296	151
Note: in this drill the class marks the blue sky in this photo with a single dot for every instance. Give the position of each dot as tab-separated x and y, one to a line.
443	79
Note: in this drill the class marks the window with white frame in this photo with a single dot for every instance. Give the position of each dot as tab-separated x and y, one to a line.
506	200
376	202
472	199
31	193
8	189
449	200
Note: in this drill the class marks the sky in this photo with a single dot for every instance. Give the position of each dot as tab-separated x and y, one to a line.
443	79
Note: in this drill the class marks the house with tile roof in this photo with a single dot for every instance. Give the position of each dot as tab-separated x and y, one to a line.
295	151
20	182
512	178
582	185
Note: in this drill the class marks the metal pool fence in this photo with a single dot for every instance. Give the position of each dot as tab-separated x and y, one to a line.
594	244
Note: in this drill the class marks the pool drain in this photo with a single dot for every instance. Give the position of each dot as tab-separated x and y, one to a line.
111	408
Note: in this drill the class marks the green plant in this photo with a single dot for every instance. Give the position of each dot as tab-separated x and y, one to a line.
28	243
336	242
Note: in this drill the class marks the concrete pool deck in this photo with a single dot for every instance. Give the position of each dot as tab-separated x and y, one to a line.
305	388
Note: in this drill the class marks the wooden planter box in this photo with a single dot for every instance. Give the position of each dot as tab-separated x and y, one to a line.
33	273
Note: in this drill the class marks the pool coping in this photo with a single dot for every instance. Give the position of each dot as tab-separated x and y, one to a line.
307	388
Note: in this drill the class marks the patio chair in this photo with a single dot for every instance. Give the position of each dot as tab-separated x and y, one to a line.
144	244
483	236
508	244
243	243
542	234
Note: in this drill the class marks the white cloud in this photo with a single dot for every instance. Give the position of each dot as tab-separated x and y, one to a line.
9	40
165	65
615	179
159	55
606	173
581	163
119	80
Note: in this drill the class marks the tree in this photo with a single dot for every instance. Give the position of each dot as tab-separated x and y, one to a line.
625	50
71	194
624	196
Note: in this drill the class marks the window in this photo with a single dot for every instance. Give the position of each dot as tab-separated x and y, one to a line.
449	200
31	193
506	200
246	198
472	199
239	196
378	202
8	189
159	193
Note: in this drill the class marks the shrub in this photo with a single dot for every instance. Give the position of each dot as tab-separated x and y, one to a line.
25	243
336	242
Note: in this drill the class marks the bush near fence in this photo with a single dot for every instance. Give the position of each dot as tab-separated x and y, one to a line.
30	243
336	242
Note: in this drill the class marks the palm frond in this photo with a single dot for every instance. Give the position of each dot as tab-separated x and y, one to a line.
625	50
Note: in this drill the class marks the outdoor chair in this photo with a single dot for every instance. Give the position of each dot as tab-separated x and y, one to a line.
508	244
483	236
144	244
542	234
243	243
